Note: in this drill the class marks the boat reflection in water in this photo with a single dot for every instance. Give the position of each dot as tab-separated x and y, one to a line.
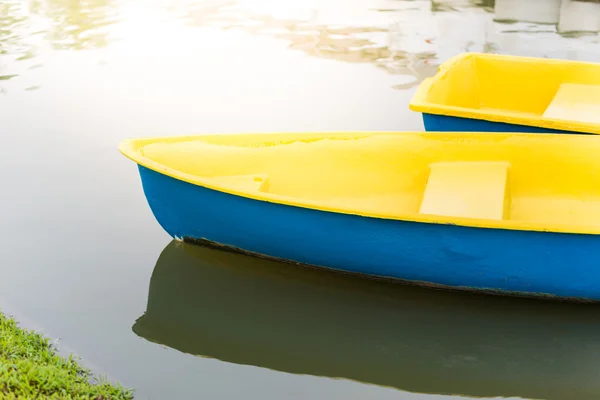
246	310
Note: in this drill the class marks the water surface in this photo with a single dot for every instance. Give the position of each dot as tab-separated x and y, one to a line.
81	255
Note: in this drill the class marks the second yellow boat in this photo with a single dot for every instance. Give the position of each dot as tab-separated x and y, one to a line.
504	93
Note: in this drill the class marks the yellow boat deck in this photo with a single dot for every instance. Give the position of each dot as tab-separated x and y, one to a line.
556	94
518	181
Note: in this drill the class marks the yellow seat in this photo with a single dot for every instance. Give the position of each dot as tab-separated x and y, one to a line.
467	189
250	182
575	102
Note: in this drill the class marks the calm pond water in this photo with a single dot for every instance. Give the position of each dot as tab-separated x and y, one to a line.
83	260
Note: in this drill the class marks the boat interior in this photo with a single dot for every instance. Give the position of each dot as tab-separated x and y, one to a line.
548	180
519	87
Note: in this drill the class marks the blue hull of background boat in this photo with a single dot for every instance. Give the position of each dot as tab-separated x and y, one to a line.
510	262
445	123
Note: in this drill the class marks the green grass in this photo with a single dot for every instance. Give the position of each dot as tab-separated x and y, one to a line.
30	368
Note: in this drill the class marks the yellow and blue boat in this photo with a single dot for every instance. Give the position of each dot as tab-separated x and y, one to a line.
505	213
504	93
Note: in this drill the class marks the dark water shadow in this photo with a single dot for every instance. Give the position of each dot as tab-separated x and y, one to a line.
249	311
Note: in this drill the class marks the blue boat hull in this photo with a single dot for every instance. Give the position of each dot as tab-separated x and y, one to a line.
510	262
444	123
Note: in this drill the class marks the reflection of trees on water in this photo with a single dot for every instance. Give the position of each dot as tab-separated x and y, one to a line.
77	24
13	21
67	24
384	46
408	38
73	24
349	44
405	38
455	5
356	45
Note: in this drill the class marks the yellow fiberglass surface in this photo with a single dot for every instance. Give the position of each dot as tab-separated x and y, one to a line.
540	182
549	93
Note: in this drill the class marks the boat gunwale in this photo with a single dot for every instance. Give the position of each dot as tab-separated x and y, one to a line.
130	148
419	102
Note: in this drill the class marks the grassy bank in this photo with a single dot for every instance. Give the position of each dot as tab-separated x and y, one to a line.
30	368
